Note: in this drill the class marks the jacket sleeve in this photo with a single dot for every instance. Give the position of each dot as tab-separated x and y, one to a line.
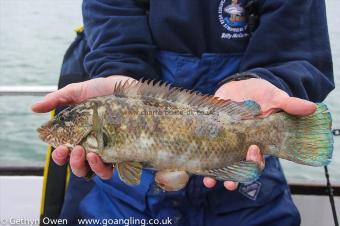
290	48
119	39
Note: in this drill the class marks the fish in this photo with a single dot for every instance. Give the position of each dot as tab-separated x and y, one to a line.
178	132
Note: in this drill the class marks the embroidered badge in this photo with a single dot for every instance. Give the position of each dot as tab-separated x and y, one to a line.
233	19
250	190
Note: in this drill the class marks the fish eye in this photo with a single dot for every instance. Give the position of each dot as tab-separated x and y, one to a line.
61	117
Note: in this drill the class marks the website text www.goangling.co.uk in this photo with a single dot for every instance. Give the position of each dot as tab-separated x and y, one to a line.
125	221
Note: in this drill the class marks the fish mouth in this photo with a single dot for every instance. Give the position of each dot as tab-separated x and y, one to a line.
45	133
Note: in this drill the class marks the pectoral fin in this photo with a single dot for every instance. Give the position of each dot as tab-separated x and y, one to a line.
171	181
244	171
97	129
130	172
96	122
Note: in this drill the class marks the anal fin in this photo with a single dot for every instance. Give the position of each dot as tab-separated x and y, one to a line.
244	172
130	172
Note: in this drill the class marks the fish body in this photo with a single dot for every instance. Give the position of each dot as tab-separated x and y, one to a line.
146	125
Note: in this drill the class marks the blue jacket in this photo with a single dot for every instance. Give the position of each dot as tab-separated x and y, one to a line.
290	48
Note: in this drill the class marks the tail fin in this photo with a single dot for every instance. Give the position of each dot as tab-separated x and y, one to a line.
309	140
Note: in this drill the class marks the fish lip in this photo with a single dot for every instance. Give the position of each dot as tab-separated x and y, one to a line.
44	132
46	136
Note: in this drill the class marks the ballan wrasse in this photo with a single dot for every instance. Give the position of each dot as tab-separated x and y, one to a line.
178	132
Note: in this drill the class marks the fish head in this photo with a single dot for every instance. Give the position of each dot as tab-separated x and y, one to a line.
68	128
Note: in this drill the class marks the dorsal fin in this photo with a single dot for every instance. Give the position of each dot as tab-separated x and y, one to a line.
164	91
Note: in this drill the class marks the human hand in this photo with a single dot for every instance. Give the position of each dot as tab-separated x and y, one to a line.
73	94
271	99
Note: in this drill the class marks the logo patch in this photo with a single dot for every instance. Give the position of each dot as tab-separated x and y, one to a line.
233	18
250	190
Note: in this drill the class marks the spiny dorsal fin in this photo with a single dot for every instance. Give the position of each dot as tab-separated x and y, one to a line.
164	91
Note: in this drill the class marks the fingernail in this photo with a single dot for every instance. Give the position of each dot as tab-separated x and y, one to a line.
61	153
230	185
77	153
253	151
93	160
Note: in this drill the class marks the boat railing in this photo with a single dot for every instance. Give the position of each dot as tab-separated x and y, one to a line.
26	90
297	187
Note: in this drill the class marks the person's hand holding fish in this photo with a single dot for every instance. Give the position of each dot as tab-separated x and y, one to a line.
202	135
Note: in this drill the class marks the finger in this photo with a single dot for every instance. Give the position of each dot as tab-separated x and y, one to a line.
230	185
254	154
209	182
297	106
103	170
60	155
68	95
78	162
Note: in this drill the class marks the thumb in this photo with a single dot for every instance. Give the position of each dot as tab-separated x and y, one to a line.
297	106
68	95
